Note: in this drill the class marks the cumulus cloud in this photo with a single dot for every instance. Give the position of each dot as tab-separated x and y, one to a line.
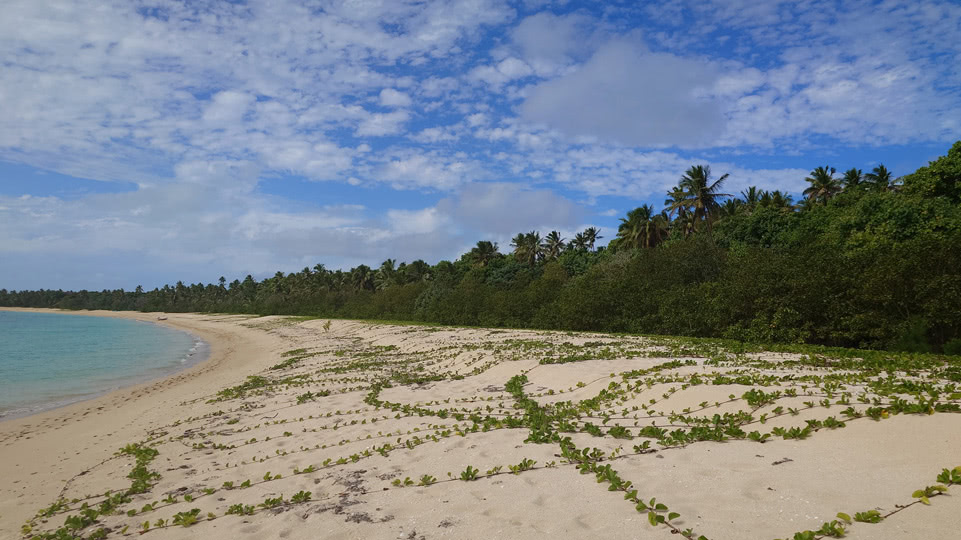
550	42
227	108
502	208
503	72
393	98
423	221
411	170
628	95
378	125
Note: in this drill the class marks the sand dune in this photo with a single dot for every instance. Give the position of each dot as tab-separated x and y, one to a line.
378	423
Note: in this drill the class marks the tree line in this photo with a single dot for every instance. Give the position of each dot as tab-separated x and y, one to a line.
862	260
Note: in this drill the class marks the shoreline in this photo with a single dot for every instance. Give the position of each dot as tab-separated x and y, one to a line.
44	451
195	358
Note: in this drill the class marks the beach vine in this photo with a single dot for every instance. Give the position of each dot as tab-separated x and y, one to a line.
292	417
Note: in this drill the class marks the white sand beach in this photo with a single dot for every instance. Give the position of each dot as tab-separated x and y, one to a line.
388	464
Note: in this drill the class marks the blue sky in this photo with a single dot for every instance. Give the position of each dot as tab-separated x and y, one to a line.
145	142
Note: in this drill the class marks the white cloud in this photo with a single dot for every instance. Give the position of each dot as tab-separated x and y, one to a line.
477	119
378	125
631	96
411	170
235	177
502	73
227	108
436	134
149	87
501	208
513	68
551	42
424	221
393	98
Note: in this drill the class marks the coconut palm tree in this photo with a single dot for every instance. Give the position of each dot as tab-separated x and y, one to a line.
386	275
685	223
853	179
776	199
579	242
880	178
698	194
674	206
806	204
630	233
823	185
484	252
782	201
751	197
362	277
675	201
553	245
322	277
518	243
591	235
527	247
416	271
731	207
641	228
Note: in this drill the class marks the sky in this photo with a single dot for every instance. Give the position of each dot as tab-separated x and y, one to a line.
146	142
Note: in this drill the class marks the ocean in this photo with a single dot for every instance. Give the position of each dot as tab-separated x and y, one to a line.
48	360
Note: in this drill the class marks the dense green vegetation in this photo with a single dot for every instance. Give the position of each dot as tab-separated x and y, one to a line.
864	260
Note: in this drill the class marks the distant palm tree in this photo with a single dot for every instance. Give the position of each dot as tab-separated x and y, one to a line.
630	233
553	245
362	277
674	206
386	275
781	201
764	200
579	242
696	193
731	207
675	201
823	185
518	243
853	178
806	204
527	247
641	228
880	178
484	252
591	235
685	223
419	271
776	199
751	197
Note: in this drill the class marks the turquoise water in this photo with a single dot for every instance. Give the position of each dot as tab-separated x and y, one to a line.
49	359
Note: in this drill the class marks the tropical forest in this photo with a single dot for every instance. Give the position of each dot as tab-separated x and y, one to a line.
861	259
